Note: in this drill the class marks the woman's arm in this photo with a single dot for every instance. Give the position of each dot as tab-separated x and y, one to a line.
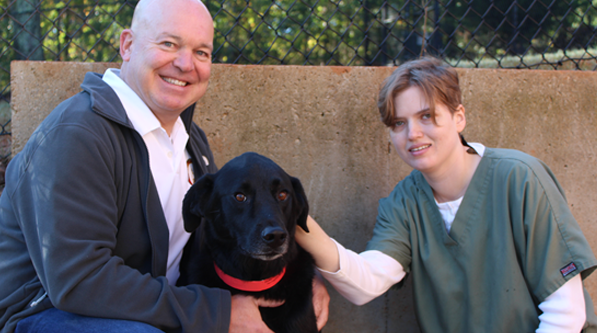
564	310
319	245
358	277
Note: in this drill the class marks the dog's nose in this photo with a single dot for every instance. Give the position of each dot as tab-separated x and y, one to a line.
273	236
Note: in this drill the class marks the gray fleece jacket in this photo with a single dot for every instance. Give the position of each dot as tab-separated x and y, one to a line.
82	228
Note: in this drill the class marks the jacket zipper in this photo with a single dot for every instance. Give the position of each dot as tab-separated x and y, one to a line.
37	301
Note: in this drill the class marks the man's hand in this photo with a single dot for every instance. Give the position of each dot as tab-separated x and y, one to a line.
321	301
245	316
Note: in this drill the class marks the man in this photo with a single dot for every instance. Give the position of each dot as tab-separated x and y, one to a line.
91	231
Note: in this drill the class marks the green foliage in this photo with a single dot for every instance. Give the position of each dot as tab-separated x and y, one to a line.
504	27
83	30
314	32
76	30
292	32
374	32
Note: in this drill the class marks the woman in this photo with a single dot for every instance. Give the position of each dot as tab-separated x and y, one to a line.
486	233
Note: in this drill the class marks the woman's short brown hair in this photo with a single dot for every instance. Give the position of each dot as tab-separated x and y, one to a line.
437	81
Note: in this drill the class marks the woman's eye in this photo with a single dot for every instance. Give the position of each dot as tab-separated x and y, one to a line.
427	116
282	195
168	44
397	124
240	197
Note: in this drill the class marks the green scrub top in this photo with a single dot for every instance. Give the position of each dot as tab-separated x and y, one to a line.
513	242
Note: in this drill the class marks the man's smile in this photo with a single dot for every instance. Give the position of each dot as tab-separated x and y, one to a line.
174	81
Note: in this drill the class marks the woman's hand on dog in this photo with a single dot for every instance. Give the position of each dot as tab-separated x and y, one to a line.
319	245
245	316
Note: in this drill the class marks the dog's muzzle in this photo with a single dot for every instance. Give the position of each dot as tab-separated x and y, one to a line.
274	237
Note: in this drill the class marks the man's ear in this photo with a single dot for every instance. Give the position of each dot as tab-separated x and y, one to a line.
126	41
196	202
300	206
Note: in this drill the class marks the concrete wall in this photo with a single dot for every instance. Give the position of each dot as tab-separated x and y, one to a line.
321	125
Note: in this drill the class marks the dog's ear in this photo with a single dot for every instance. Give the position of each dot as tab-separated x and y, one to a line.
196	201
301	206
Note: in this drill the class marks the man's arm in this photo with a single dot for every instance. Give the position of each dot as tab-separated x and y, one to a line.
245	316
321	301
66	202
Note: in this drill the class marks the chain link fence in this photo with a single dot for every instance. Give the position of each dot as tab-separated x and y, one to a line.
535	34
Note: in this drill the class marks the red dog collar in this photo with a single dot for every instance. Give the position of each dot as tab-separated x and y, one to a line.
249	285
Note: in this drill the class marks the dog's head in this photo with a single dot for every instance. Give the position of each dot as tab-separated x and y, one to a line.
251	209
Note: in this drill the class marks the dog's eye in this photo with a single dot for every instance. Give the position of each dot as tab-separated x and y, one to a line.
240	197
282	195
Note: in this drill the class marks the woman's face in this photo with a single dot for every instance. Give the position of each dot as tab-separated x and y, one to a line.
423	144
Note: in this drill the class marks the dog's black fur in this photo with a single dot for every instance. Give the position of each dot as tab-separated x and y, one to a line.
247	213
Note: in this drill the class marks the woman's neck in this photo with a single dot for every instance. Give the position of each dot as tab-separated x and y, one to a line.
451	182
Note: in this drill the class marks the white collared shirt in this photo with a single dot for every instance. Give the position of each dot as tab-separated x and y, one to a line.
168	160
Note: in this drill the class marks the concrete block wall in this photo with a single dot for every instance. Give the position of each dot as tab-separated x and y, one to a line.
321	124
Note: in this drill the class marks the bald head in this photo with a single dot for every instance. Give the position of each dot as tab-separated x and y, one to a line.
146	11
167	54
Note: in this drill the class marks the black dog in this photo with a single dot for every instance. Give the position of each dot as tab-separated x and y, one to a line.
247	213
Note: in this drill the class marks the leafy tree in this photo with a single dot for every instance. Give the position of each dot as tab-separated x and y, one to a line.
473	29
76	30
28	39
310	32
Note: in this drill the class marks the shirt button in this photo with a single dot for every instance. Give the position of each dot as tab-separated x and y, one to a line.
169	154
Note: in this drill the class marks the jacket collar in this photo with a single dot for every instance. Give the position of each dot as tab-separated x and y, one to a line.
102	102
